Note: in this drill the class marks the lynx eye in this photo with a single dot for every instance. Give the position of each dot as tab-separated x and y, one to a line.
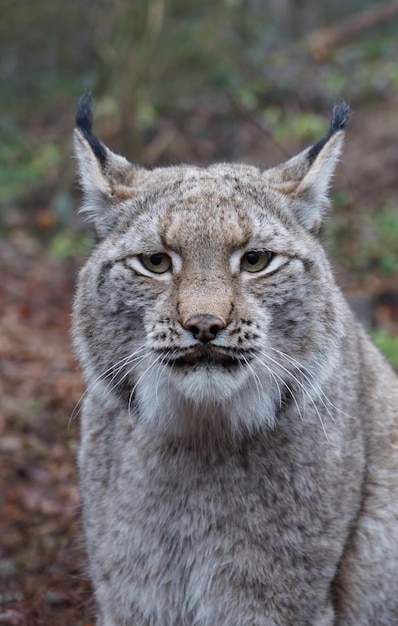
158	262
254	261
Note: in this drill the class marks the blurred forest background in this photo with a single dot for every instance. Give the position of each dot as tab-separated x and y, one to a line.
174	81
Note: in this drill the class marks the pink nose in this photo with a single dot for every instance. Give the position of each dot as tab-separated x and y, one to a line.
204	327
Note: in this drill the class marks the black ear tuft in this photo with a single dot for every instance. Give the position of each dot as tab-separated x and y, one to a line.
84	122
340	117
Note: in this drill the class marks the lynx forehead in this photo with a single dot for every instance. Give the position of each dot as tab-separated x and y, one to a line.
238	460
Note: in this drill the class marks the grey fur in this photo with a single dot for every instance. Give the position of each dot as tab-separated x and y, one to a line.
251	480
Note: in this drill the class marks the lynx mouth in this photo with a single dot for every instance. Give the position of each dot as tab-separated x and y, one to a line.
207	355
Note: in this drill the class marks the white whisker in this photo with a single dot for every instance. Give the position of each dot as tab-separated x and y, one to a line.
301	386
150	366
170	368
136	360
110	371
284	383
255	376
309	376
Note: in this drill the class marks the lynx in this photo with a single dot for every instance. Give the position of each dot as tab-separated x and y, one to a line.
239	436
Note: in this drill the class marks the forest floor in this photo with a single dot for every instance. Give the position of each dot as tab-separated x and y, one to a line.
43	578
42	572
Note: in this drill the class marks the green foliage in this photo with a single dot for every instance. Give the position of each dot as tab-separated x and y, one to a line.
68	243
364	242
379	245
151	60
23	167
388	345
304	127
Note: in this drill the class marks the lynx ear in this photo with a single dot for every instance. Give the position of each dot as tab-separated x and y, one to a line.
107	179
306	178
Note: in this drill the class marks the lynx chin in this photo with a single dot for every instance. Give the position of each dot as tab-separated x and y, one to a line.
239	446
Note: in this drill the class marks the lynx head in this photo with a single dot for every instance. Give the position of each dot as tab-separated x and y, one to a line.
208	303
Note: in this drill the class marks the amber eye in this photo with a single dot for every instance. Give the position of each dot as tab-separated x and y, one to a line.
254	261
158	262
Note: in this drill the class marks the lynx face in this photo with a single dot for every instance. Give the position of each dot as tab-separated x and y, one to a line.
206	306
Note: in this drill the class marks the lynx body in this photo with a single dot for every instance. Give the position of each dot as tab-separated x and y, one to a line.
239	450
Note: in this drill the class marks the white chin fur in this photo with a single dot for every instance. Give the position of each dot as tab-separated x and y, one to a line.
206	398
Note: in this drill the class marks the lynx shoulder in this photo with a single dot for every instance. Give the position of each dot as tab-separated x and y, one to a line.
239	447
